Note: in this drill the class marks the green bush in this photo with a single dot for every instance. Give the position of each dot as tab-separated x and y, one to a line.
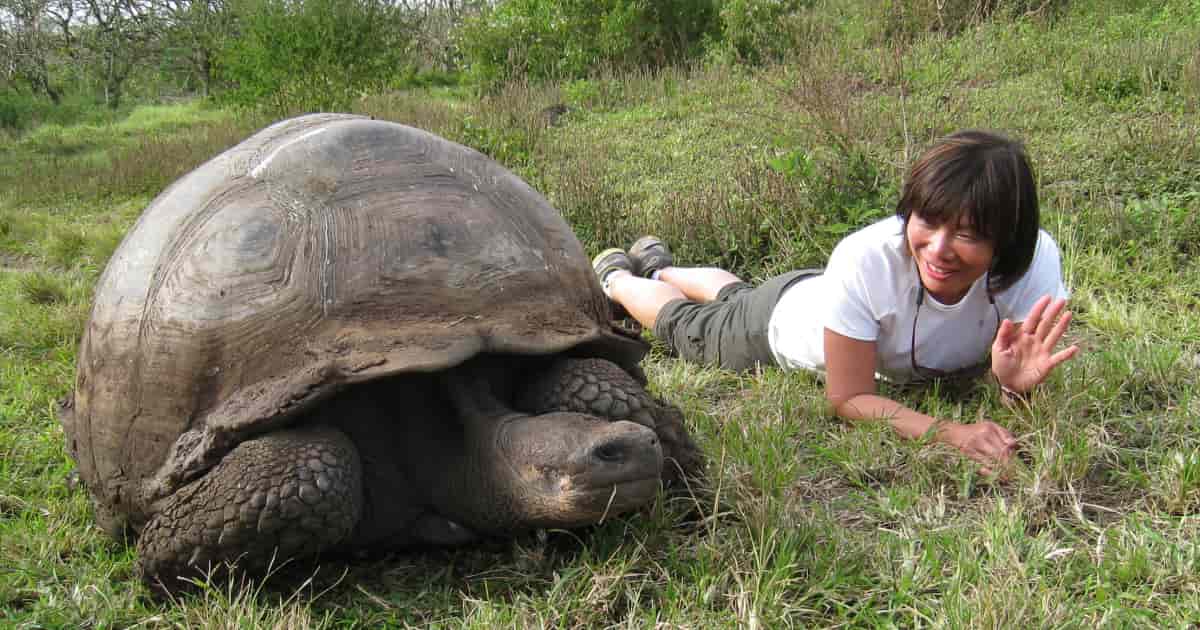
907	20
14	111
21	112
425	78
552	39
758	31
311	55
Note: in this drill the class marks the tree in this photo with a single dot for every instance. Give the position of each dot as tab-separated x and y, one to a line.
439	21
194	32
306	55
28	46
110	37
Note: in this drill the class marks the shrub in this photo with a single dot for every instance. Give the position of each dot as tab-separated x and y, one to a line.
21	112
906	20
312	55
66	248
551	39
14	111
42	288
759	31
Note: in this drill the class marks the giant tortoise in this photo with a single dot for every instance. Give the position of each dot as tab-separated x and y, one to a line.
343	334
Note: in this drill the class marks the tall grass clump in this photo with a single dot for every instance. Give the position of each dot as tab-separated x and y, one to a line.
1151	53
65	248
42	288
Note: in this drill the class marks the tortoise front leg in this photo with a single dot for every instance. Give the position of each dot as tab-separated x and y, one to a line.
286	494
602	388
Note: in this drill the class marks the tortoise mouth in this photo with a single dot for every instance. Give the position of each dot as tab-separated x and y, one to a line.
594	505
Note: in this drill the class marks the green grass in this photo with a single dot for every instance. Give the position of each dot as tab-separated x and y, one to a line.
805	521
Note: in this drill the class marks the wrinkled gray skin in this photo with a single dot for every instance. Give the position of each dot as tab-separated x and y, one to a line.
440	459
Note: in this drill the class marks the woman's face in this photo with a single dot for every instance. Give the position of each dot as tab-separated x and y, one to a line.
950	257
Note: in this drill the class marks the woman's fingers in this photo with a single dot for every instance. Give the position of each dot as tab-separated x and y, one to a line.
1062	355
1058	330
993	444
1000	448
1005	335
1030	325
1051	319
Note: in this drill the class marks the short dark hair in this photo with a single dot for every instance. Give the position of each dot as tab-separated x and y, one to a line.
988	176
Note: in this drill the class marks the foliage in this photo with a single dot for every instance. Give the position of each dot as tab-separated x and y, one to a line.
904	20
313	55
28	45
552	39
15	111
758	31
436	47
112	40
22	111
194	32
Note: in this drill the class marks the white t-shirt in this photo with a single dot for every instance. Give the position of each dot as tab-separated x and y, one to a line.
869	292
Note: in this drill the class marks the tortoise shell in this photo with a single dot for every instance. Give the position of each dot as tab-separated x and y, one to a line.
323	251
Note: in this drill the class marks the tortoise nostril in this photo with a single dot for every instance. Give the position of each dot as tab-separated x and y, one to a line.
609	452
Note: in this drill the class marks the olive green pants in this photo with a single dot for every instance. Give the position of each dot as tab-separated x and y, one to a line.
730	331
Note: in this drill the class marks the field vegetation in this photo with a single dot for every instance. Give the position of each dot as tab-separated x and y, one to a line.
753	139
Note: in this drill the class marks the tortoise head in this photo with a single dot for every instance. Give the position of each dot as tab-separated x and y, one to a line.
558	469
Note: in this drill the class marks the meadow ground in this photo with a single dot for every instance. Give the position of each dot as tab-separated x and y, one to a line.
804	520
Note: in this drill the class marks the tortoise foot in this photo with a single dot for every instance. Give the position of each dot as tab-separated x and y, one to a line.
287	494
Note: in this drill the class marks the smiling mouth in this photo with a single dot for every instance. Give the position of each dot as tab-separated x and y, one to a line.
938	273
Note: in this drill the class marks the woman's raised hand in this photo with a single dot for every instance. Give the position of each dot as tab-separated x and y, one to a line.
1023	354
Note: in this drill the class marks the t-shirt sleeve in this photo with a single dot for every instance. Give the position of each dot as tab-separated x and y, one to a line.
1043	278
849	303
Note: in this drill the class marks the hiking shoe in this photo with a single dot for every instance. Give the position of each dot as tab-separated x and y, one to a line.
650	254
611	260
605	263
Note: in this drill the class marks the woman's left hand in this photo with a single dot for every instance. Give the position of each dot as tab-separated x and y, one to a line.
1023	355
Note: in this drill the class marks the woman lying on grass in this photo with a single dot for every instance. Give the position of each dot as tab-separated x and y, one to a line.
924	294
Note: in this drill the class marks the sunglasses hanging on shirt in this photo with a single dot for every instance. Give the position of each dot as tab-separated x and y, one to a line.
934	373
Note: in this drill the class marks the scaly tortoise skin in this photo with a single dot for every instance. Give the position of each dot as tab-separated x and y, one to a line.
345	333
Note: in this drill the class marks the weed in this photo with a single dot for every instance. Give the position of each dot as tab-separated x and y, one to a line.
1178	482
42	288
65	248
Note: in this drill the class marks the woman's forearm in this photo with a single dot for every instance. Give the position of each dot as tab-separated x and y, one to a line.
873	408
850	388
984	441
